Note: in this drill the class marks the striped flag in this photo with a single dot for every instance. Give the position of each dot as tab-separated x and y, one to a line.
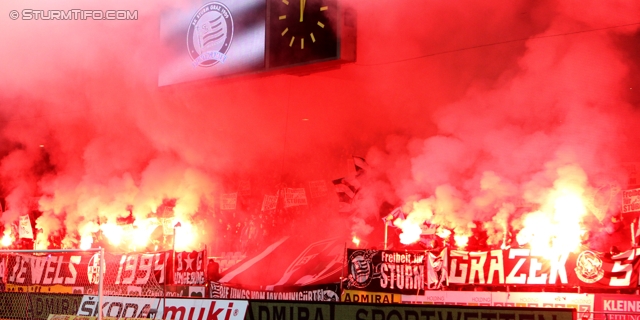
361	165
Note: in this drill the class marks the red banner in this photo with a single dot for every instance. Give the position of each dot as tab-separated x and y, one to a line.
189	268
82	269
526	267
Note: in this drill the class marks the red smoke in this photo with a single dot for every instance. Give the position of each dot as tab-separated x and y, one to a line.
473	110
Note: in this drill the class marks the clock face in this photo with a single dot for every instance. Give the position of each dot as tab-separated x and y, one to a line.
302	31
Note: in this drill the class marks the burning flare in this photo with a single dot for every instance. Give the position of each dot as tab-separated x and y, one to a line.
7	239
86	242
186	236
410	232
557	231
557	226
356	241
461	240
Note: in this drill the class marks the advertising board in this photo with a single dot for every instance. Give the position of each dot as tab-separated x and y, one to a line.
370	297
465	298
617	306
169	308
429	312
38	305
583	303
266	310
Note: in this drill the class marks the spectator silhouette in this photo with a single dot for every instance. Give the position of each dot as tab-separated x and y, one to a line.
213	270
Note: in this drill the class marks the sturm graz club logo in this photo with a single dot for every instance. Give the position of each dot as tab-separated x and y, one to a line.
361	269
209	35
589	267
330	295
93	270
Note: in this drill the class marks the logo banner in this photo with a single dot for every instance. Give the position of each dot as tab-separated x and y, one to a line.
223	38
386	271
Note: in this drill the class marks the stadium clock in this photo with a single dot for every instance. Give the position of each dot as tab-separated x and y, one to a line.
302	31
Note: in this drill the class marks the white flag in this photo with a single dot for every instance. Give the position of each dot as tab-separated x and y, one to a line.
437	270
25	231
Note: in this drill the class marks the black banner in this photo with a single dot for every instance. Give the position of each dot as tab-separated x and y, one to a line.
386	271
328	292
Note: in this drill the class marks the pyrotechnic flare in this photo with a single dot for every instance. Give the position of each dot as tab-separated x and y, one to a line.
7	239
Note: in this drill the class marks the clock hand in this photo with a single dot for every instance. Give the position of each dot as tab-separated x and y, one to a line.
302	3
